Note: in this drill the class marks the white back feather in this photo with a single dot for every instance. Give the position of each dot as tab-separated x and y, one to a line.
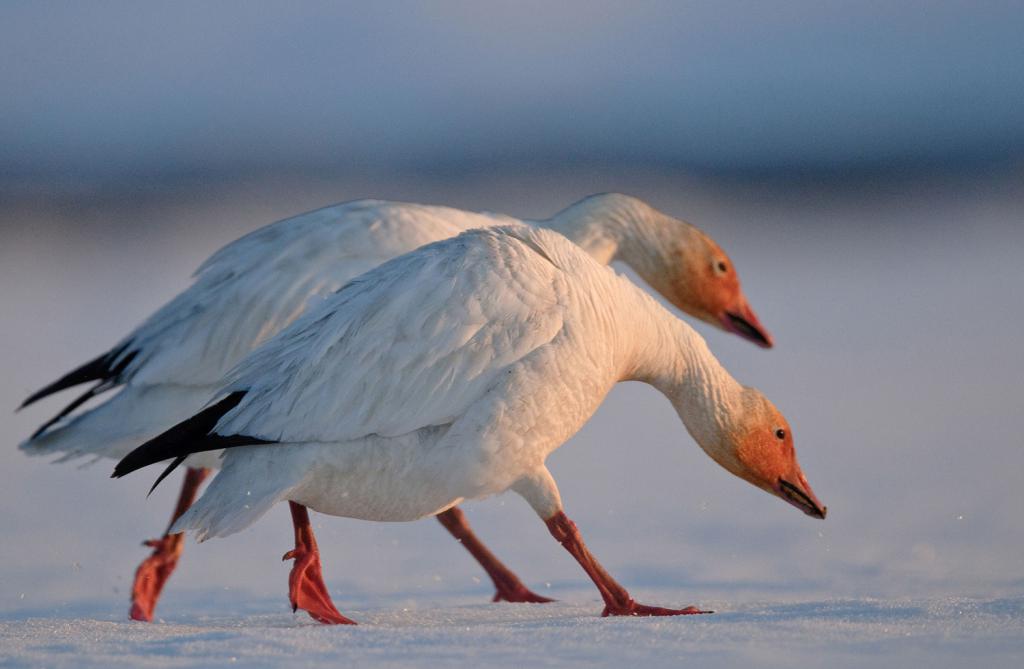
253	287
408	345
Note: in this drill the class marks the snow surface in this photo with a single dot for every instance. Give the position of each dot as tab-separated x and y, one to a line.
947	632
897	315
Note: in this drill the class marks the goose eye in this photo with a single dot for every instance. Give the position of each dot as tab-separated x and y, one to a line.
722	267
780	433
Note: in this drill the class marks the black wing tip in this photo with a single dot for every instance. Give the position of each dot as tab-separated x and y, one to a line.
170	468
35	397
121	469
192	435
101	369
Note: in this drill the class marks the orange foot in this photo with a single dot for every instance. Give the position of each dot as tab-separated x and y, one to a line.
518	593
634	609
307	590
153	573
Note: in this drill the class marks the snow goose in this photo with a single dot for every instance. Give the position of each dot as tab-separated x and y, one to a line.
168	367
448	374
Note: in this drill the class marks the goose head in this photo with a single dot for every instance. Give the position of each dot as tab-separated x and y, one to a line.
756	444
676	259
705	285
689	269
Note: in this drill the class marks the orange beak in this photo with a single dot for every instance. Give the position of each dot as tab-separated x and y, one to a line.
743	321
799	494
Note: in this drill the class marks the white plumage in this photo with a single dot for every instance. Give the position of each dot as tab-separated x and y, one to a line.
452	373
255	286
404	358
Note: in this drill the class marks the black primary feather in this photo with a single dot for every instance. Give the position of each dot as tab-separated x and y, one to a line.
101	369
187	437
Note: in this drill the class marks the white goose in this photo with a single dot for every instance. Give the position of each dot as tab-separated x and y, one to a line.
451	373
168	367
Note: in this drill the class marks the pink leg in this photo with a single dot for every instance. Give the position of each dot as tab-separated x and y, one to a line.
509	587
617	601
306	587
152	574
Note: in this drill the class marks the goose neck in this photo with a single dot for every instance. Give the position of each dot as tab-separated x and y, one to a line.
669	355
603	225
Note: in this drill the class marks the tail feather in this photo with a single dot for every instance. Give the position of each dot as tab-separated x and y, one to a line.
105	369
217	513
185	438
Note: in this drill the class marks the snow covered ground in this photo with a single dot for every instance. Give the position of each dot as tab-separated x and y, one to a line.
897	313
946	632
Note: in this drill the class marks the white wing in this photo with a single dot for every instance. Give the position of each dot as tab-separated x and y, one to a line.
407	345
253	287
246	292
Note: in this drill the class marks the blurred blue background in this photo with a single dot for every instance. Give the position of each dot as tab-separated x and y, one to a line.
123	93
862	163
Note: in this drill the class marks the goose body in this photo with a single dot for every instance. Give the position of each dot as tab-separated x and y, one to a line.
452	373
167	368
372	392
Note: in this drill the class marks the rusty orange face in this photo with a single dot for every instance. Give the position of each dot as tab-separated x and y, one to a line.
767	459
707	287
